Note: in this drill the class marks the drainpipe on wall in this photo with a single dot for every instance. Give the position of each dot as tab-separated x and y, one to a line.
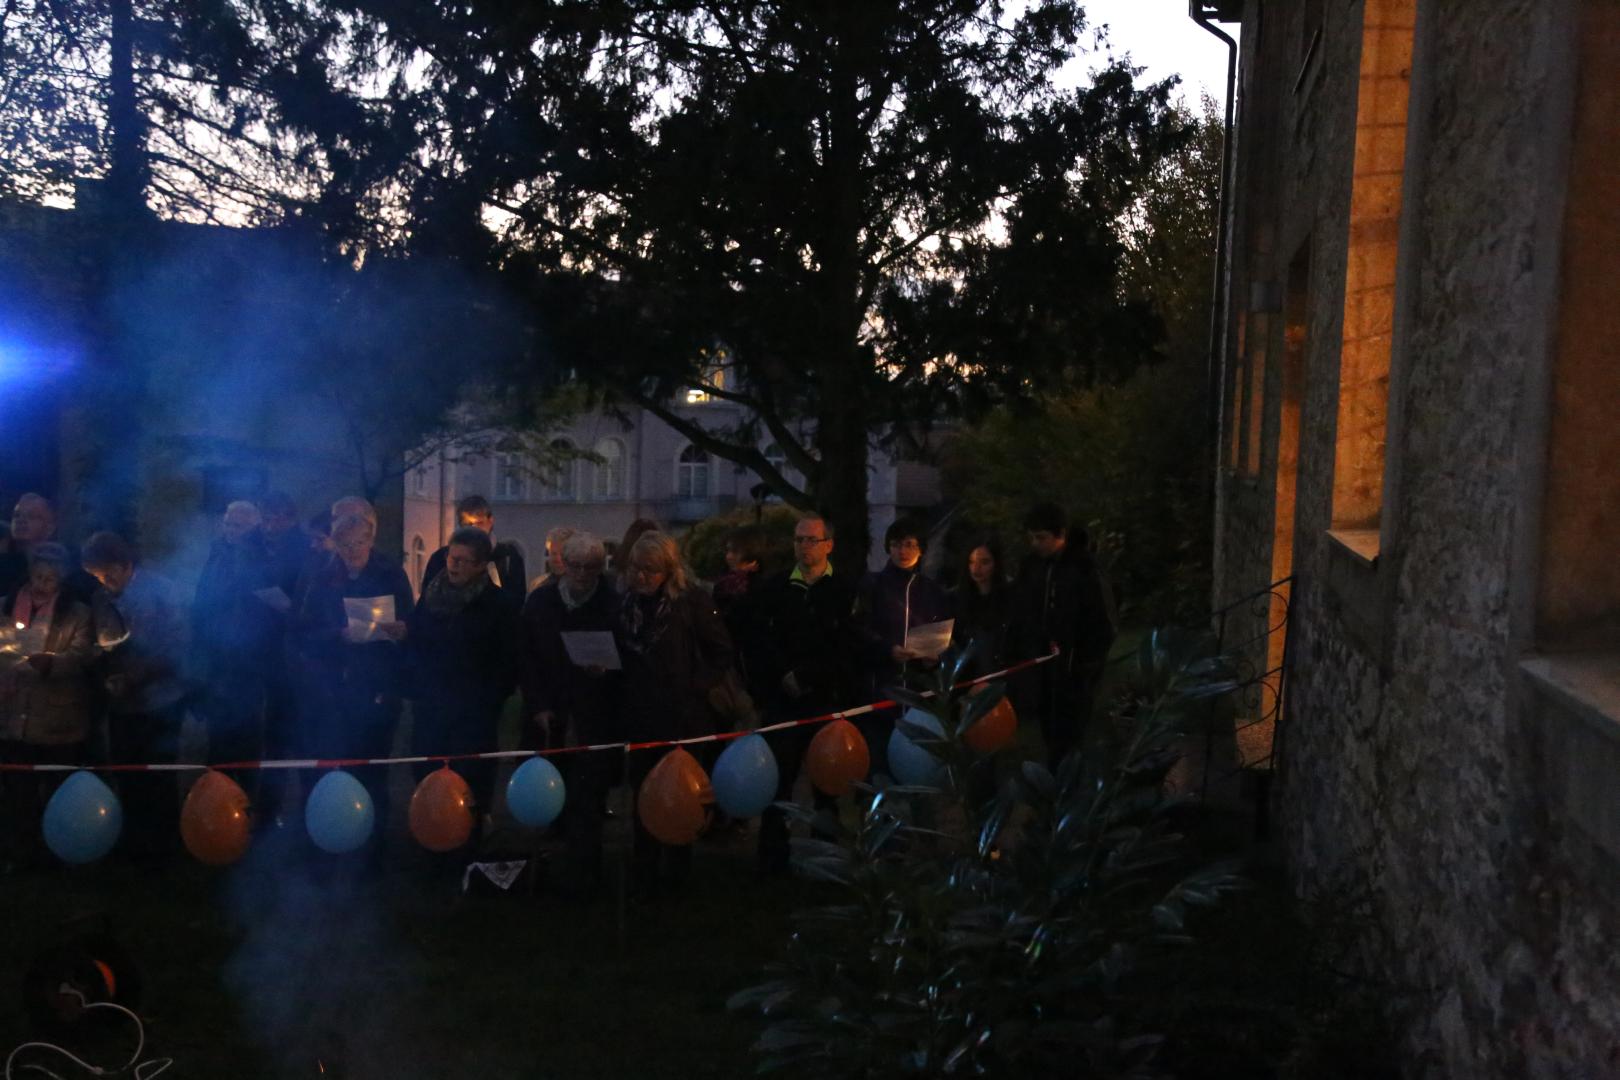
1202	11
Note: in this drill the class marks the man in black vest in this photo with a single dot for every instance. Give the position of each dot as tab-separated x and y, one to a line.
803	663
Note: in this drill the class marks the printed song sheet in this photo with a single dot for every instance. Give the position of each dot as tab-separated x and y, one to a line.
591	648
930	639
366	614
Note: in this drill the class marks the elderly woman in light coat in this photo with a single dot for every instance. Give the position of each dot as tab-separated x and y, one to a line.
45	694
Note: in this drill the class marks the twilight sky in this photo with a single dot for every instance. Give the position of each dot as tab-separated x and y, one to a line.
1159	35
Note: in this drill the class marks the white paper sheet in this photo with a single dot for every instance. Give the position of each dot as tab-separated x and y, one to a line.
276	598
930	639
592	648
366	613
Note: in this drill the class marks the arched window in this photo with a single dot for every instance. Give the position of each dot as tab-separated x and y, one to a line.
511	479
418	561
419	480
561	486
609	470
692	474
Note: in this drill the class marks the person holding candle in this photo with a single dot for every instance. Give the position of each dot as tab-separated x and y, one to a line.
45	695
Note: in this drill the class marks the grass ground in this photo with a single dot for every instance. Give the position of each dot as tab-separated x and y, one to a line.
288	963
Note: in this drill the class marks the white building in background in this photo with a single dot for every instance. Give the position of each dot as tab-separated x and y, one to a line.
644	468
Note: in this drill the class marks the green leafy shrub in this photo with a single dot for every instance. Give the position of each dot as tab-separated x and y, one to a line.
704	544
1019	935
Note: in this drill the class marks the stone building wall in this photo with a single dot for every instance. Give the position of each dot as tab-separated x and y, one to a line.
1435	753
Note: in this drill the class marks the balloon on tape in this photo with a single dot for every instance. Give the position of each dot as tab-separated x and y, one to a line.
745	777
83	819
994	729
441	815
672	799
837	757
338	813
214	822
913	764
535	794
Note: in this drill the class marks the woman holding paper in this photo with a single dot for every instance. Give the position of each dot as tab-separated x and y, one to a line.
347	633
675	649
45	695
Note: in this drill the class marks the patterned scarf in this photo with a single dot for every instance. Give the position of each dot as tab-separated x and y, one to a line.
447	600
645	619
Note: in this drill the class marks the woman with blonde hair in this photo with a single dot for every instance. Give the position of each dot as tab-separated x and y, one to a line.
675	649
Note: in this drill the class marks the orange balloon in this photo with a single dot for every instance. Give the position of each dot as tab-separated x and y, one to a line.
994	729
837	757
215	823
441	810
672	799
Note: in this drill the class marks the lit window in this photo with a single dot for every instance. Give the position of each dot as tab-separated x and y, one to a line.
692	474
609	481
714	375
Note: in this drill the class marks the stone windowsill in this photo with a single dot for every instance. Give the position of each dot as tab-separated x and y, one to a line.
1360	544
1586	684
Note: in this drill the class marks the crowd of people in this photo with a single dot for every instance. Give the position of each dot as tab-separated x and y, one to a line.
306	641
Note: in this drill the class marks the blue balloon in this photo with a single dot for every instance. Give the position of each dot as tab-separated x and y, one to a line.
913	764
745	777
83	819
535	793
338	813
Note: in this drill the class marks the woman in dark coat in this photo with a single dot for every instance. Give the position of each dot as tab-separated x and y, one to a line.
462	649
675	650
983	603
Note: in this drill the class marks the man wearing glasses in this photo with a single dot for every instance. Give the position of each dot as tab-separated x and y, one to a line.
803	663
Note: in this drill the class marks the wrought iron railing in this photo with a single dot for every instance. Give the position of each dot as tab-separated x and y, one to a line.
1252	633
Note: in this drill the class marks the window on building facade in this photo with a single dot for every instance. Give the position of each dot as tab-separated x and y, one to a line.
608	481
1369	291
419	480
692	474
418	560
561	480
716	373
1578	602
511	477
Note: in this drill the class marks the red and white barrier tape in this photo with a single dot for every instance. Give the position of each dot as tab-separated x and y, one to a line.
422	759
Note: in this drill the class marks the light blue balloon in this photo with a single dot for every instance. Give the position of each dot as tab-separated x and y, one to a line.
338	813
535	794
910	763
83	819
745	777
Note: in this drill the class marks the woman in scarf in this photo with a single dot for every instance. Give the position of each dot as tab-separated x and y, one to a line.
463	649
45	695
675	650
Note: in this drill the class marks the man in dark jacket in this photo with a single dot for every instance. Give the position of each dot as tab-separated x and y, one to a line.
505	568
569	705
803	663
234	636
891	603
1060	602
145	691
462	648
